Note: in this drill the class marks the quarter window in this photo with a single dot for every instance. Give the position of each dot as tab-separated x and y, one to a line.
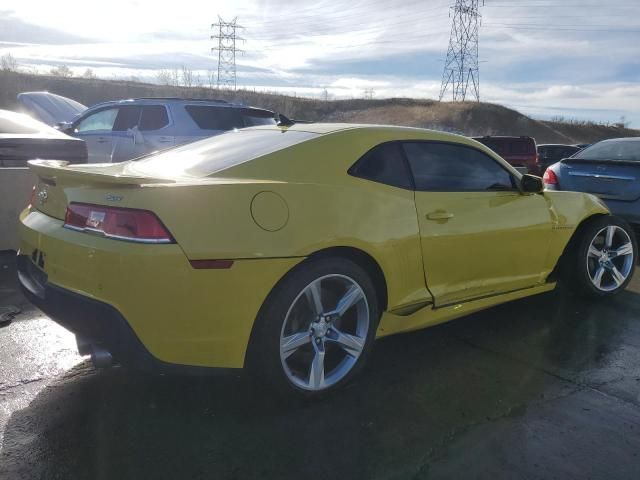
215	118
443	167
384	164
102	120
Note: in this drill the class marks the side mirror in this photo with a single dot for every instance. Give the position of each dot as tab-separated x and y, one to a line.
64	127
531	184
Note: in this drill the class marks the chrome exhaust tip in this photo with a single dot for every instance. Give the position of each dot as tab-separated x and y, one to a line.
100	357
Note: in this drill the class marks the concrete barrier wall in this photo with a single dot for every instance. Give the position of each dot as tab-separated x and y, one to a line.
15	192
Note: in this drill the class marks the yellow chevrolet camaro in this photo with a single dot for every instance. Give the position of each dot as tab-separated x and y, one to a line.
288	250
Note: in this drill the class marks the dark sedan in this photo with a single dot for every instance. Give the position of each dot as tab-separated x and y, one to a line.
23	138
609	169
548	154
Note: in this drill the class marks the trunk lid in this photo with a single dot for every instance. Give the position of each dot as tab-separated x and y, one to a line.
608	179
55	176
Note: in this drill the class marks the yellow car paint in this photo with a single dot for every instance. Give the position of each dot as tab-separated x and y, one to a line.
271	213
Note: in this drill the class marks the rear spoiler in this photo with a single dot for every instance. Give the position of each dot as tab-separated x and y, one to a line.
107	174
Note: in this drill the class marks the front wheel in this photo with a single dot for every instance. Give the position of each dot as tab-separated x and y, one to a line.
316	329
604	261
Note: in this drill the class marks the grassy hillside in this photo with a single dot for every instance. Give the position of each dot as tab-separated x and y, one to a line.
467	118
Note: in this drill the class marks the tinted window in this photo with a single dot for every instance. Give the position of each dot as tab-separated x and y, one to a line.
154	117
128	117
496	145
215	118
521	147
627	150
384	164
509	146
214	154
556	153
441	167
102	120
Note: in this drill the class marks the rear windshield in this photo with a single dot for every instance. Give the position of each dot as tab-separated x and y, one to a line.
623	150
18	125
211	155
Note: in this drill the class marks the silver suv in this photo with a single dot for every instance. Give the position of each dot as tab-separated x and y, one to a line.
125	129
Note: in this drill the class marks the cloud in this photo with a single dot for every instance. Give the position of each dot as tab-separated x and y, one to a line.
15	30
541	57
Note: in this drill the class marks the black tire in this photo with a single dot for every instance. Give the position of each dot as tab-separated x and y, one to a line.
264	361
582	269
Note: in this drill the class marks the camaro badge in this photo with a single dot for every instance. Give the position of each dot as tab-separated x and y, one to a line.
111	197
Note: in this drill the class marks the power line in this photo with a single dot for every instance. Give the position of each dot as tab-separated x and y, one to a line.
461	66
227	38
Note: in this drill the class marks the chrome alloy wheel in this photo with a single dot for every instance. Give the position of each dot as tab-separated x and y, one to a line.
324	332
610	258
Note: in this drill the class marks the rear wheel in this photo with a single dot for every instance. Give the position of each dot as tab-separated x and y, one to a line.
604	262
316	329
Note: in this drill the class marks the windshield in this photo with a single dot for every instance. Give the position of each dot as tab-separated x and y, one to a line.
206	157
623	150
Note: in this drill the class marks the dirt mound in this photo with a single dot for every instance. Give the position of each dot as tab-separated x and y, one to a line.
468	118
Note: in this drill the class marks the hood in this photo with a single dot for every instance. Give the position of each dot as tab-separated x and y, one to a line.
49	107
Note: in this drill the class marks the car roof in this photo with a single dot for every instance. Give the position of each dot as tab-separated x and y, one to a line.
156	100
400	132
556	145
18	125
623	139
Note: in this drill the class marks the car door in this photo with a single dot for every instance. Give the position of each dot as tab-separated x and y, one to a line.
155	130
480	235
96	129
126	138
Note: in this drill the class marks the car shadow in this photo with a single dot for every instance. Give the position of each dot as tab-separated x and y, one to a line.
419	390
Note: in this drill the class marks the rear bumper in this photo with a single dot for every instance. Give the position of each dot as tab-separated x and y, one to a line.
144	303
95	322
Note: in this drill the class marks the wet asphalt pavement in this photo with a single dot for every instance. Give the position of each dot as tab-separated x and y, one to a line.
542	388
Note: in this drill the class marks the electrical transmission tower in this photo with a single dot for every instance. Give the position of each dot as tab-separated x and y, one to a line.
225	33
461	72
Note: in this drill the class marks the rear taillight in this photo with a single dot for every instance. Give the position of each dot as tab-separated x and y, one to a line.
120	223
550	177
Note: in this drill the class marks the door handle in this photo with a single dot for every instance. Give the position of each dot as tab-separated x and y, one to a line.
102	140
439	215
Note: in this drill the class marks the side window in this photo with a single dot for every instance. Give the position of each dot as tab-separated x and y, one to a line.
128	117
384	164
442	167
215	118
520	147
102	120
154	117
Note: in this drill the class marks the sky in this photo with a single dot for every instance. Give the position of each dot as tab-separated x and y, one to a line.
577	59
